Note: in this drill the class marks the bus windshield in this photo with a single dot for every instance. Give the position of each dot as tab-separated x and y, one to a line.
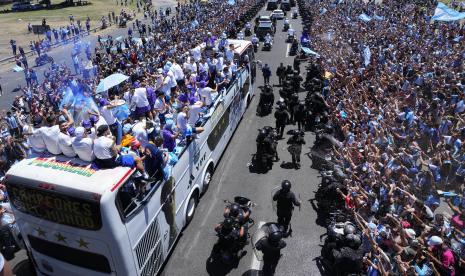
55	207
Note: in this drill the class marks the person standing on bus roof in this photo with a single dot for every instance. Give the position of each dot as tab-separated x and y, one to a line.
155	159
205	93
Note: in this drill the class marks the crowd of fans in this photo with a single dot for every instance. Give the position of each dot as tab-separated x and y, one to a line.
397	93
172	83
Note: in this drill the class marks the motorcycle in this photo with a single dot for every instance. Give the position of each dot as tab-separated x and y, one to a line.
266	46
227	251
266	152
295	15
246	205
286	26
255	46
294	48
248	32
265	104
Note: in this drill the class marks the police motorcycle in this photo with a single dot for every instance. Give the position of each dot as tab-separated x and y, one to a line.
240	210
255	43
342	253
268	43
233	233
294	48
266	154
290	36
295	14
265	104
248	29
286	24
305	40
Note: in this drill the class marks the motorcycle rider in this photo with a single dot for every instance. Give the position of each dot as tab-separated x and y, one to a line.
271	247
286	201
248	28
296	80
265	147
281	73
295	147
282	117
254	41
266	100
237	213
228	232
286	23
268	39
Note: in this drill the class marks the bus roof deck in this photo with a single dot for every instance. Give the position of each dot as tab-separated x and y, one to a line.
80	175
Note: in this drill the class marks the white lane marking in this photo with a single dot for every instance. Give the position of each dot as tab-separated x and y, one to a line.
287	49
256	264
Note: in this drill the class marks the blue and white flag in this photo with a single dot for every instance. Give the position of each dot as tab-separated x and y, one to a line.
232	2
366	55
364	17
377	17
444	13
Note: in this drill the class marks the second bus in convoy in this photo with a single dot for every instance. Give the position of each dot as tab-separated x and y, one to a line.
76	220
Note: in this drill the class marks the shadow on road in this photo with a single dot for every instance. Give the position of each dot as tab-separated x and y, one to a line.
216	267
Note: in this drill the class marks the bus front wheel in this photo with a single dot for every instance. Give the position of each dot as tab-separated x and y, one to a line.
191	205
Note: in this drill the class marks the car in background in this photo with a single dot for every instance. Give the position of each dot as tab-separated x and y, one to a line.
264	28
21	6
264	18
286	5
272	5
278	14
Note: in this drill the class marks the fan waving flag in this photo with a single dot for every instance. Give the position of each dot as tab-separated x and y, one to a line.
444	13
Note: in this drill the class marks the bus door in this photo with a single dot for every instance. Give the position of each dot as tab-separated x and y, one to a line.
150	223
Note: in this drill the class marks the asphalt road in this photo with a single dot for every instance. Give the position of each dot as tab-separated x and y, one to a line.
233	178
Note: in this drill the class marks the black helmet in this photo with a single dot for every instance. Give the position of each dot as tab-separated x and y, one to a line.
353	241
275	236
234	209
286	185
261	134
349	229
228	223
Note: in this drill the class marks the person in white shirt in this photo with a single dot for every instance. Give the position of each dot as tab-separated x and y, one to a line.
177	73
172	80
194	112
139	132
50	134
190	65
107	154
141	103
205	93
186	129
196	53
34	135
107	113
65	141
83	145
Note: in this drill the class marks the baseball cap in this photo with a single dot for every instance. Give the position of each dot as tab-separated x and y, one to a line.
202	84
86	124
71	131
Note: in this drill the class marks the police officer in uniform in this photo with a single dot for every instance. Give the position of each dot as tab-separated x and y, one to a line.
286	201
282	118
281	73
271	247
295	147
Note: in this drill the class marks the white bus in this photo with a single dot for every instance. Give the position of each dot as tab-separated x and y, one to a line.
79	221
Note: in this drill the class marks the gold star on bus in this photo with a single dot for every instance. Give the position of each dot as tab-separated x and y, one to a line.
83	243
40	232
60	237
